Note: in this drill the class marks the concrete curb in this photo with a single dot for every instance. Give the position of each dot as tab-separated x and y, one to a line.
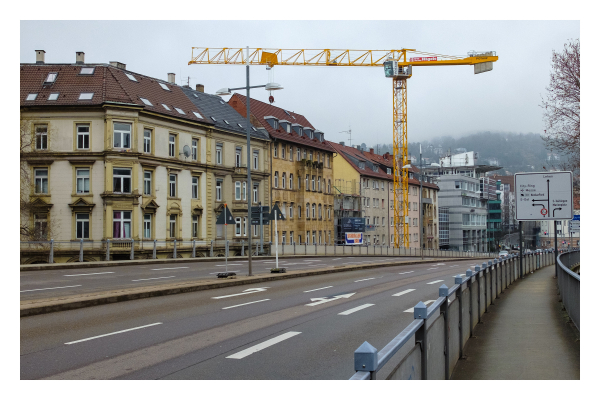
45	306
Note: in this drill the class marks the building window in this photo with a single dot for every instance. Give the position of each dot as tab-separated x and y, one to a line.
283	180
172	185
172	225
121	224
314	237
306	183
328	185
283	151
171	145
148	183
319	183
291	214
275	149
276	179
299	214
297	153
147	226
238	156
83	180
307	210
41	137
244	190
238	226
40	225
82	226
314	211
299	183
121	180
147	141
121	135
83	137
304	154
238	190
41	180
255	159
255	230
219	153
320	212
329	213
218	191
310	156
194	187
307	237
291	181
194	226
194	150
255	194
283	237
313	183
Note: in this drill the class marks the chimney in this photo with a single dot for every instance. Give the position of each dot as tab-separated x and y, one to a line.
117	64
39	56
79	57
200	87
342	143
371	151
171	77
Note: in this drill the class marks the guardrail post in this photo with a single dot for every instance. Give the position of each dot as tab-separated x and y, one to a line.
107	249
458	280
486	270
420	312
469	274
154	250
51	254
477	269
365	359
194	248
174	248
211	248
490	268
443	292
80	250
496	265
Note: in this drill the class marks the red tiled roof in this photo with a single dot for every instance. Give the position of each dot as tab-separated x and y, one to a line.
109	84
259	110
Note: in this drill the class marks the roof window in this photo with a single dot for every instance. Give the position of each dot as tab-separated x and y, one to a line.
197	115
87	71
240	125
254	129
166	107
31	96
162	85
86	96
286	112
222	102
227	122
131	77
195	95
213	118
146	101
51	77
361	164
179	110
53	96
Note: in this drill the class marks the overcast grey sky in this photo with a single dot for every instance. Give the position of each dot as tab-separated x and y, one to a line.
441	100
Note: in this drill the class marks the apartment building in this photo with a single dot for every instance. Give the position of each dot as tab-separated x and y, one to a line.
301	171
118	155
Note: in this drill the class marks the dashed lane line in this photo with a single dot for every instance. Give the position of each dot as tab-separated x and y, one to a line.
355	309
245	304
404	292
160	269
113	333
312	290
149	279
434	282
94	273
49	288
263	345
402	273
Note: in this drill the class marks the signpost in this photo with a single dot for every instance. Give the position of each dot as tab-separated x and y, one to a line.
260	216
544	196
223	219
276	215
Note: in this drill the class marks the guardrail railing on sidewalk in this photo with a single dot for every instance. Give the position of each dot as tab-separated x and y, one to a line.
438	334
568	284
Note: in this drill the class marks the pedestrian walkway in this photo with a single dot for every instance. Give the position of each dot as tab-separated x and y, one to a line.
524	335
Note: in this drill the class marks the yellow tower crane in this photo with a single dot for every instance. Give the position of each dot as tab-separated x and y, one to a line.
396	66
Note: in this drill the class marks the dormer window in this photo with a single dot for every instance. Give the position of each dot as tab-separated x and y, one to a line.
361	164
274	122
389	171
131	77
51	78
162	85
375	168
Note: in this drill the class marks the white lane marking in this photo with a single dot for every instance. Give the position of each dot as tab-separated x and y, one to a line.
412	309
463	274
355	309
434	282
368	279
321	300
113	333
247	291
432	268
48	288
312	290
149	279
263	345
409	272
223	265
95	273
336	259
404	292
213	273
160	269
452	266
319	265
245	304
440	264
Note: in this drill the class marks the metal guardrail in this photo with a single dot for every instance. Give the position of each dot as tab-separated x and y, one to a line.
438	334
568	284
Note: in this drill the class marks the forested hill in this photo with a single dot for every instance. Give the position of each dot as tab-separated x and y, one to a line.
514	152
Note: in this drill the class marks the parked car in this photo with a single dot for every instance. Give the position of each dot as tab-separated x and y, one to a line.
503	253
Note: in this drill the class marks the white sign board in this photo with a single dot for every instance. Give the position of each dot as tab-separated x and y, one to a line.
544	196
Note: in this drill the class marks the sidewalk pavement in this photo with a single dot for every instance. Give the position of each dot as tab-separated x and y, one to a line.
525	335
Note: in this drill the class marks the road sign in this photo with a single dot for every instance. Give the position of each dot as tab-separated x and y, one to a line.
225	218
257	210
574	226
276	212
544	196
256	221
576	217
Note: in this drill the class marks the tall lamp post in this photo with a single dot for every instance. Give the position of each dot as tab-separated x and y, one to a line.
227	92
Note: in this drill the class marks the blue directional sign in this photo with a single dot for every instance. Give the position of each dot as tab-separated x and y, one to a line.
576	217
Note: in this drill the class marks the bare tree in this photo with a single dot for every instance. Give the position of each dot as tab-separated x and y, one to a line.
561	105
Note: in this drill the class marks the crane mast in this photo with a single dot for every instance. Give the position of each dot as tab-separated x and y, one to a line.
394	63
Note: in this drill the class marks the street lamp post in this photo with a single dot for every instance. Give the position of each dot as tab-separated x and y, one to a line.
227	92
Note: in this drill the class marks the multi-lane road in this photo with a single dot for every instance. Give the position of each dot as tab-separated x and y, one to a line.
302	328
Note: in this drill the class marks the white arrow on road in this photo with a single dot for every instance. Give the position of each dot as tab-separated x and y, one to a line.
247	291
322	300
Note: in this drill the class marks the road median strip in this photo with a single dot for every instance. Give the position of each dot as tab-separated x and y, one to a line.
72	302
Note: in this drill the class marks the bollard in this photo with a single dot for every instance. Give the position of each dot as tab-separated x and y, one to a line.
443	292
80	250
131	252
420	312
211	248
365	359
174	248
194	248
107	249
51	255
154	250
458	281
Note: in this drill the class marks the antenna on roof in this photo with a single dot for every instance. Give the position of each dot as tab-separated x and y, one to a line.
349	132
184	79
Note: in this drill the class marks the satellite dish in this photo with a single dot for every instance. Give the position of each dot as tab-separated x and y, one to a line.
186	151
